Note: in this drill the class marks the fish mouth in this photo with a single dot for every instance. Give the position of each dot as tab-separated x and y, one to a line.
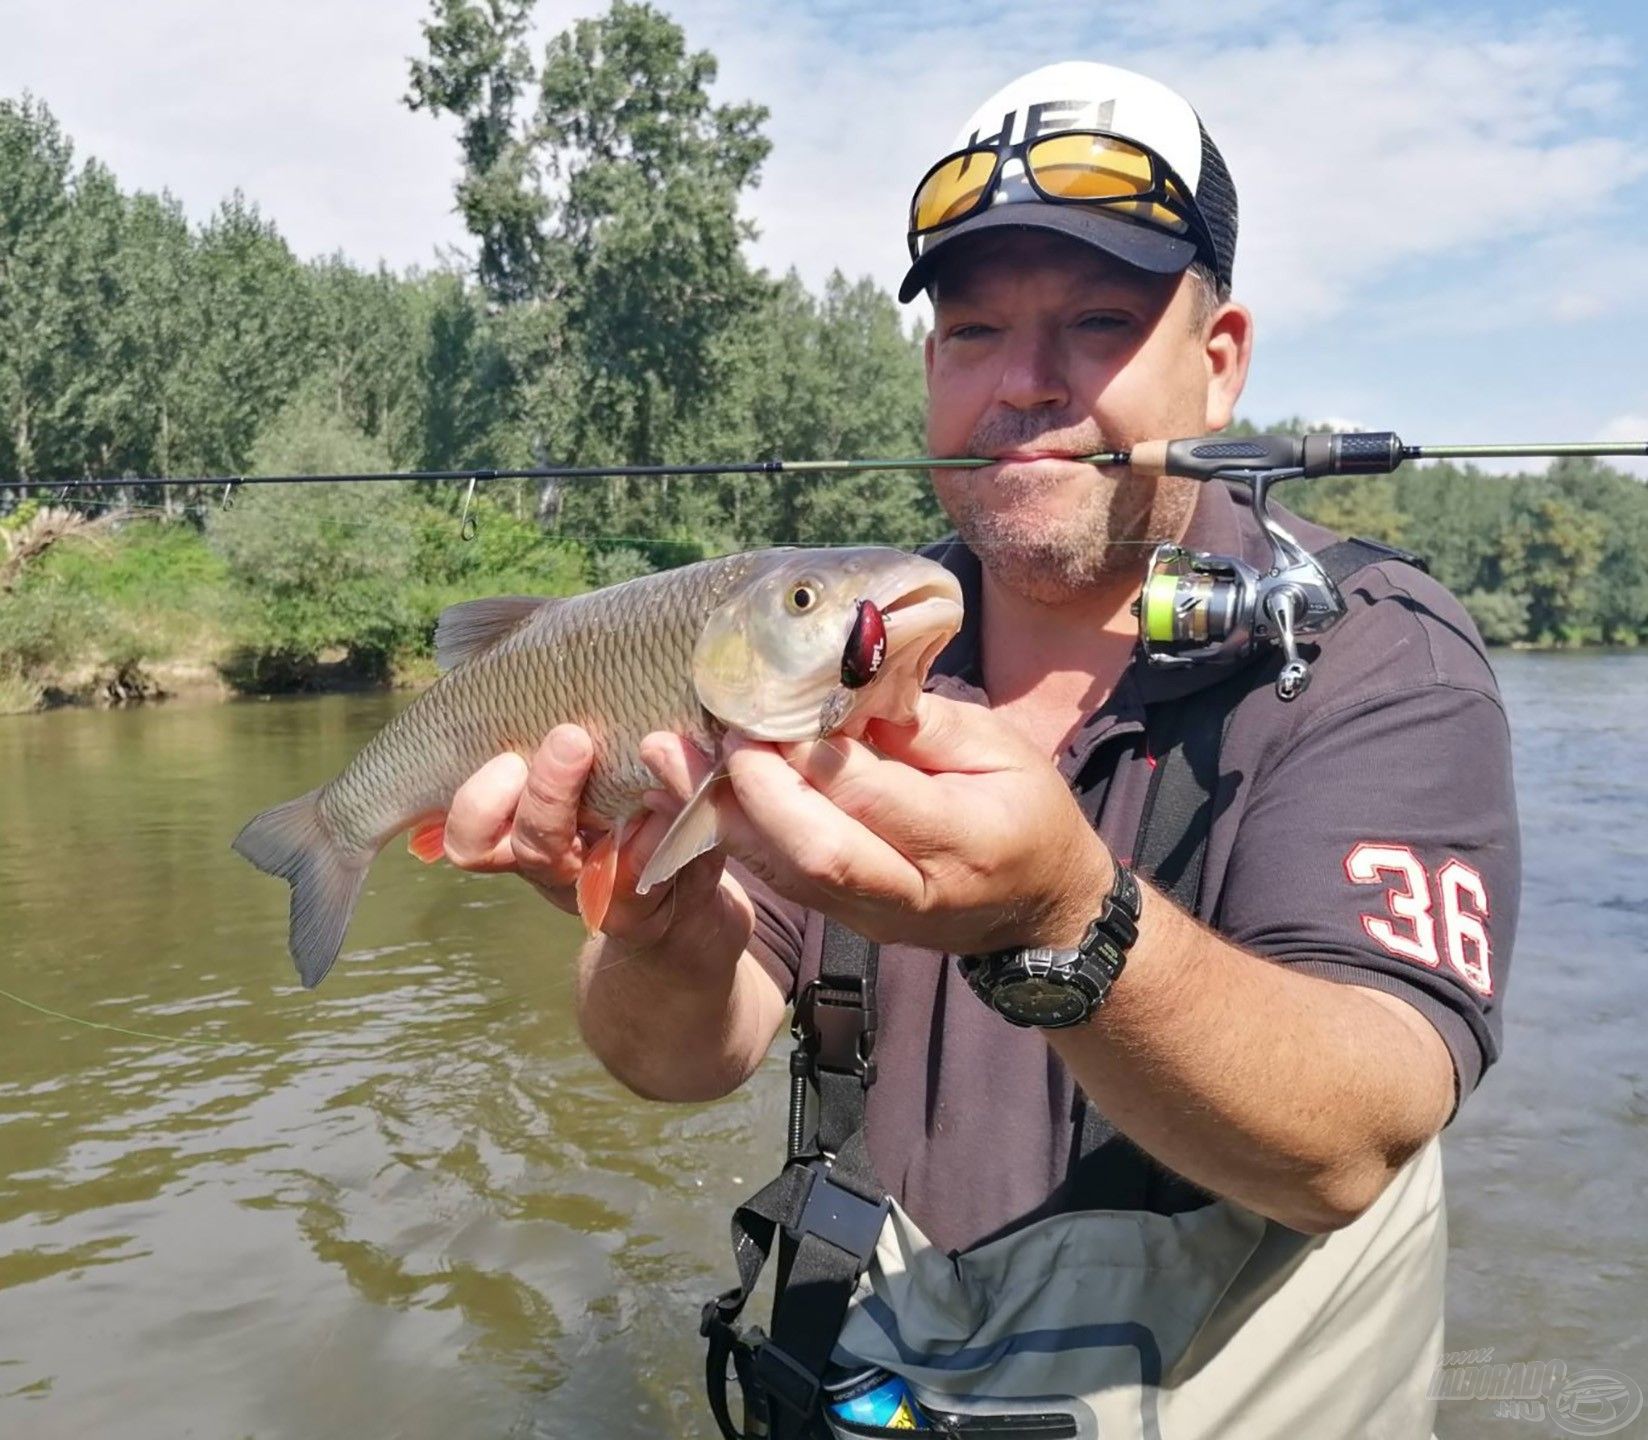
921	618
930	608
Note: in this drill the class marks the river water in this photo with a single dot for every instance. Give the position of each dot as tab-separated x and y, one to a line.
409	1204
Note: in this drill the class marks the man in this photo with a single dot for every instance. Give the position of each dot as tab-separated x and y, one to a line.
1271	1072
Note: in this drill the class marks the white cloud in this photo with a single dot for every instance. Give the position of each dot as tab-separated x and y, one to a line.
1373	144
297	104
1361	146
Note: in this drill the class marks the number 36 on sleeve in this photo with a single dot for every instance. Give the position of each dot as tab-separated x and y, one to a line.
1408	926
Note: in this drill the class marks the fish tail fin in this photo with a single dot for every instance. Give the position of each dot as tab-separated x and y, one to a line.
290	841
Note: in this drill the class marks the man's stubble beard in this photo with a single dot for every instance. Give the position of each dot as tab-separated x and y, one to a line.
1100	545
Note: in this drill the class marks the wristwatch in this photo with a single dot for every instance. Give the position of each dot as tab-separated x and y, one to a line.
1050	989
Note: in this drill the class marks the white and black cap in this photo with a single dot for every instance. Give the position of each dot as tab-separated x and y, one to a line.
1085	95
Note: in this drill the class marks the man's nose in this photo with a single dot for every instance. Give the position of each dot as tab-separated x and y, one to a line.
1033	373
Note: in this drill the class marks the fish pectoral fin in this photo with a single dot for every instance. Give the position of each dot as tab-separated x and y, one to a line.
428	840
466	629
597	880
696	829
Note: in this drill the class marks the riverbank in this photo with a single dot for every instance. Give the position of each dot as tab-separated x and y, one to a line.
206	680
325	588
186	682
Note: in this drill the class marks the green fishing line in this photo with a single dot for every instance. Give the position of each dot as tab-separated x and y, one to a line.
115	1029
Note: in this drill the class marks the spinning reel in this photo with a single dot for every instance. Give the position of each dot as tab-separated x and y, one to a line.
1197	607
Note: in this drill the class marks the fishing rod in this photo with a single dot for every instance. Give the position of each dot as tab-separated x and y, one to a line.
1347	453
1195	607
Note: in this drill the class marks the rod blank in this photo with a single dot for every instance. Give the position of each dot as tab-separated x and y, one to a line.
1151	457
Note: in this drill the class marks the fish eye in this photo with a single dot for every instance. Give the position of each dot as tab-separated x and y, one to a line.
801	598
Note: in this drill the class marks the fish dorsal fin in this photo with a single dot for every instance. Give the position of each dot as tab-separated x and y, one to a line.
466	629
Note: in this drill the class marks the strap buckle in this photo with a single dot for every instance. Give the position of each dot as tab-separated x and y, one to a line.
834	1028
836	1214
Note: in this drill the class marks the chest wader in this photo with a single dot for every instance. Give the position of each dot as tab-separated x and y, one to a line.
1173	1315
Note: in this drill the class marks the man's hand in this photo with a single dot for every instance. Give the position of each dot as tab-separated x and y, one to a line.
953	833
668	998
515	817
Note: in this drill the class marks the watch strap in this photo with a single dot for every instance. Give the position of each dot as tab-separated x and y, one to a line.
1091	968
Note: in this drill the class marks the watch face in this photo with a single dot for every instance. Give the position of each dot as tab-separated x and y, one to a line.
1041	1002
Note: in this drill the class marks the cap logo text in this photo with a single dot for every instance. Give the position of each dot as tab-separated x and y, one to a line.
1047	117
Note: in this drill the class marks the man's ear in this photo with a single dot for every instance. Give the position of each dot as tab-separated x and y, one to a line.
1226	349
927	355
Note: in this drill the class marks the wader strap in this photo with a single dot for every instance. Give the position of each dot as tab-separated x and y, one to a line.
825	1211
1344	558
1185	738
835	1026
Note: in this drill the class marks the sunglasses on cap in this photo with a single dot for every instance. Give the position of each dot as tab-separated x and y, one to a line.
1064	167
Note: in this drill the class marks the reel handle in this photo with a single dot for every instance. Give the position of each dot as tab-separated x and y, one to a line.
1204	457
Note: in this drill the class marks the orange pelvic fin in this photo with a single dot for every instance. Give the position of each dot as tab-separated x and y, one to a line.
428	840
597	880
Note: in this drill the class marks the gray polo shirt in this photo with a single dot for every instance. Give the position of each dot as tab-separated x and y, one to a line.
1371	838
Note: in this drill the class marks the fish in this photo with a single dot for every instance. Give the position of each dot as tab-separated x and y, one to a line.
778	645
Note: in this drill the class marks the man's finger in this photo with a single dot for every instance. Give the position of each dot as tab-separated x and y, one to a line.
679	765
477	825
898	802
788	832
545	833
952	736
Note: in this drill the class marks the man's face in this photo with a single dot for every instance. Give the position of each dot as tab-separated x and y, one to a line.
1042	349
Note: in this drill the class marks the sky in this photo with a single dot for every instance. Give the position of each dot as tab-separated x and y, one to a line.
1444	209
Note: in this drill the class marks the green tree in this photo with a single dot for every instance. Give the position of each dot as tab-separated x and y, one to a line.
320	566
1549	553
147	342
58	229
1619	589
837	378
1500	615
478	69
250	312
647	233
1363	505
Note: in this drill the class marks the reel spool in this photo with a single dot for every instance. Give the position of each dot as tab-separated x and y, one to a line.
1196	607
